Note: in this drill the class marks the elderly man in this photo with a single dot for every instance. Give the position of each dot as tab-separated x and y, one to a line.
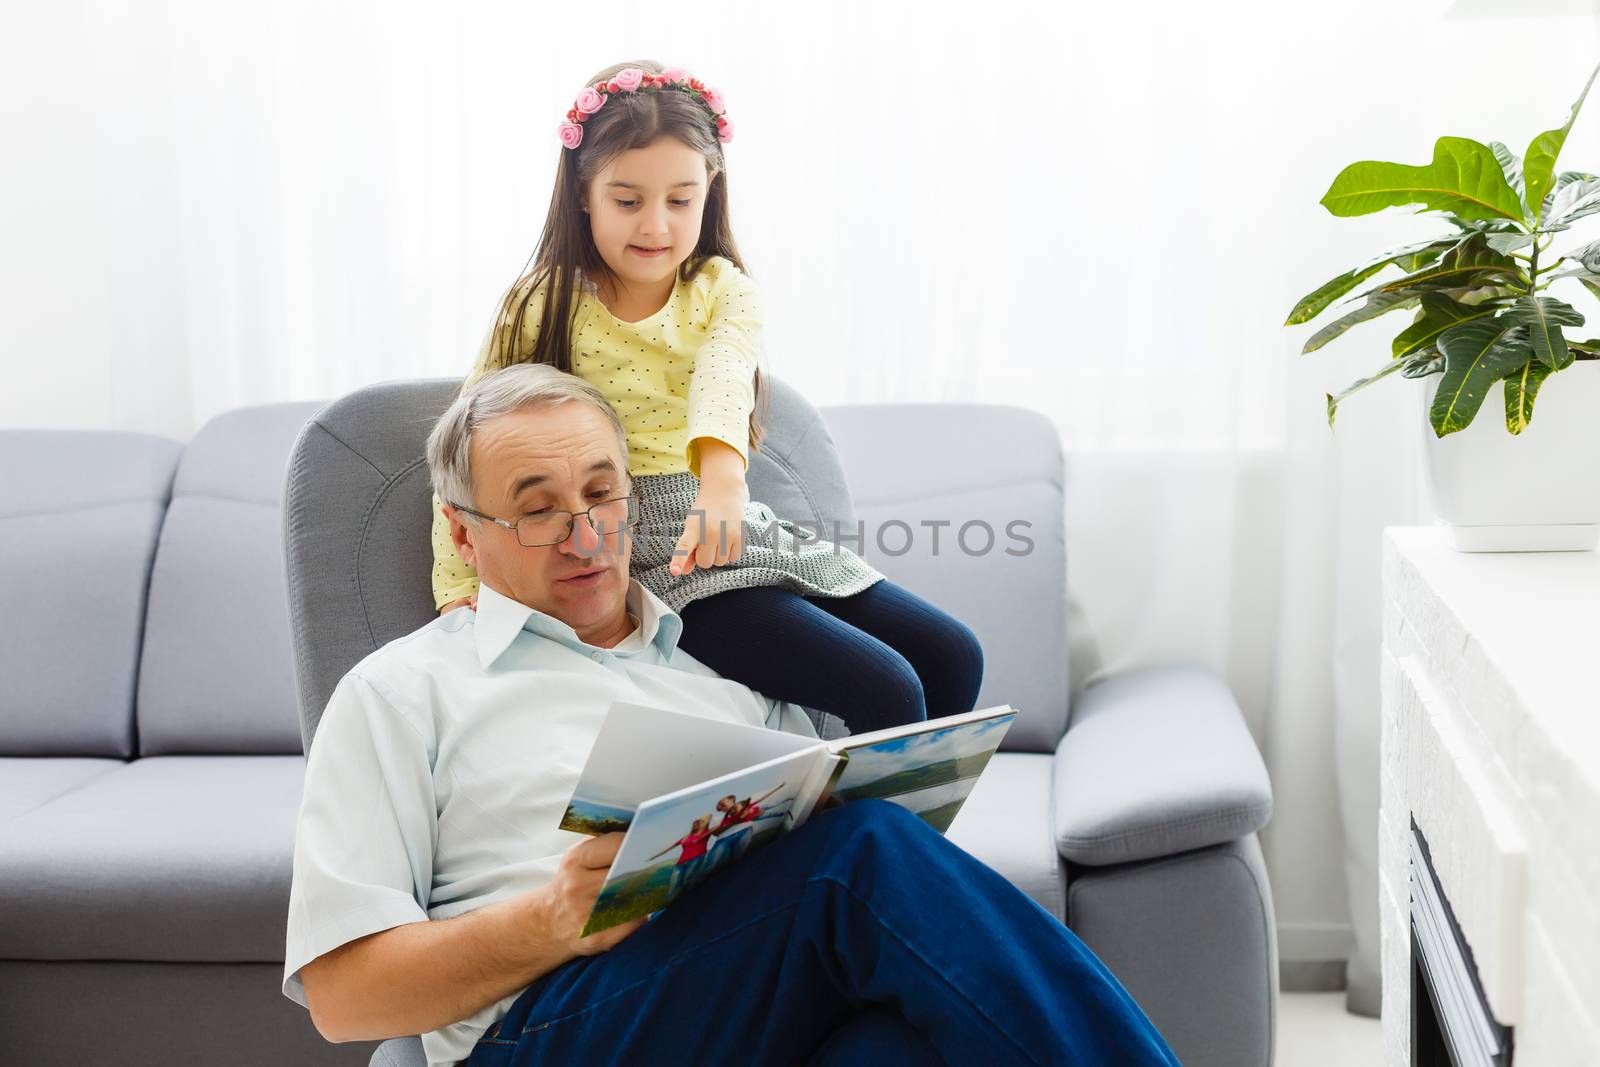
433	892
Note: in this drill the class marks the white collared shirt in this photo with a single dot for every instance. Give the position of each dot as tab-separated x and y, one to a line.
445	759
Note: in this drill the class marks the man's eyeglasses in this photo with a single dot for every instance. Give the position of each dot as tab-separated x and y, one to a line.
554	527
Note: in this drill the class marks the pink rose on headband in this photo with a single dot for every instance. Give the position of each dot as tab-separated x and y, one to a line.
724	130
674	74
589	101
714	100
571	134
628	79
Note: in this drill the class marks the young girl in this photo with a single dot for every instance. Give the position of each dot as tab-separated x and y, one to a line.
636	286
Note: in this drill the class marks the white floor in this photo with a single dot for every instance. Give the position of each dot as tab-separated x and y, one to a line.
1314	1030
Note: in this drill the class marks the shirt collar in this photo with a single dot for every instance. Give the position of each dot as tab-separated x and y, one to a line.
500	619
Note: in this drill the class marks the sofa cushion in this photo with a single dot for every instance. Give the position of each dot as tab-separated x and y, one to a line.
997	472
184	858
1000	825
26	782
78	528
217	674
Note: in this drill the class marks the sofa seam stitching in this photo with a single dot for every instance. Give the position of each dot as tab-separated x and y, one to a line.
348	446
361	542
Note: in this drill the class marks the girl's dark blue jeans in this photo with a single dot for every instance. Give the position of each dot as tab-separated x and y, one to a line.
881	657
863	937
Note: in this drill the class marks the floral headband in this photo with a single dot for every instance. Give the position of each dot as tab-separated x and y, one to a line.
634	80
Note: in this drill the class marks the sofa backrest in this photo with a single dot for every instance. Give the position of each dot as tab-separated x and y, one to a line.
152	589
963	504
78	528
357	498
216	674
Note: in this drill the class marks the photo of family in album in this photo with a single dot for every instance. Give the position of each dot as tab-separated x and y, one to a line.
705	848
689	835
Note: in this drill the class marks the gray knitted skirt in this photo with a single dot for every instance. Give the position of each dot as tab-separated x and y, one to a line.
775	553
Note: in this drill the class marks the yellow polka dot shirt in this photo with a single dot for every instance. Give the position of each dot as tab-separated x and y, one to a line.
684	373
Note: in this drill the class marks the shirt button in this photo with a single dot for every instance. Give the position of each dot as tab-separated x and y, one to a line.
598	656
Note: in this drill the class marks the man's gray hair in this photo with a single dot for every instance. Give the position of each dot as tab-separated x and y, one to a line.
491	396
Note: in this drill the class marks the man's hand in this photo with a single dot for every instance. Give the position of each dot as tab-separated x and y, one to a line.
570	896
422	976
468	602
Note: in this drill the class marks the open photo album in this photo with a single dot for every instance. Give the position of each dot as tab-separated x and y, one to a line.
695	794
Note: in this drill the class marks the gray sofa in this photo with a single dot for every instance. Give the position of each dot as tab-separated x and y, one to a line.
150	759
150	753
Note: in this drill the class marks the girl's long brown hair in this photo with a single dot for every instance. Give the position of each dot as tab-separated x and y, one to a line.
628	121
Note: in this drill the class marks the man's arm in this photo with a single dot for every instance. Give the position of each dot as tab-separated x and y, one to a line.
421	976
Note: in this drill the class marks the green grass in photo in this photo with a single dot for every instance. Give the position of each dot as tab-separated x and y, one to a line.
633	896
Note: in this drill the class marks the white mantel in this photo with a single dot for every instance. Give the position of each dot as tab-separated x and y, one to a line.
1491	742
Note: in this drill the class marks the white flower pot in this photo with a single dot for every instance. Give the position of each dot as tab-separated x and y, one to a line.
1537	491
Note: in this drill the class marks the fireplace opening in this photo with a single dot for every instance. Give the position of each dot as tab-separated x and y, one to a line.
1451	1024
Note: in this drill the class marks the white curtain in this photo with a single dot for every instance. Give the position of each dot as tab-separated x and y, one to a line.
1100	211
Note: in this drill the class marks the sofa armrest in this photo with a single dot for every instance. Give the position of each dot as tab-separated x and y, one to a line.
1156	761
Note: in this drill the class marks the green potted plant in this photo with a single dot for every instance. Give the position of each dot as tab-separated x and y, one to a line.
1481	319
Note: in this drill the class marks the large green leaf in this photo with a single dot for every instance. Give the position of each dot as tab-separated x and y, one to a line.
1521	387
1377	304
1544	316
1312	304
1588	255
1539	161
1409	258
1572	202
1470	263
1476	355
1439	313
1564	179
1333	401
1464	179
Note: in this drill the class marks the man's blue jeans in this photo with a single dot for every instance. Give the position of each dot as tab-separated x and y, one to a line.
862	937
